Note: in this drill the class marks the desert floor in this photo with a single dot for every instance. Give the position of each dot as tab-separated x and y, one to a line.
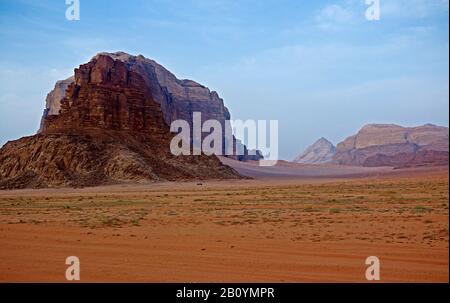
304	229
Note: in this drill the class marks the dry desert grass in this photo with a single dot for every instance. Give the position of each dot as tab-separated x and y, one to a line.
230	231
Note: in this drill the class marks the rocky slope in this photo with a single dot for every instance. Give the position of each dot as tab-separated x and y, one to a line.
397	146
178	99
109	129
320	152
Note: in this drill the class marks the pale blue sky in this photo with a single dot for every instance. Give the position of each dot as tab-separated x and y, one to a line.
319	67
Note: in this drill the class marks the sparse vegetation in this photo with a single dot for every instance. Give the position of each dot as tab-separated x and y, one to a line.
335	210
343	210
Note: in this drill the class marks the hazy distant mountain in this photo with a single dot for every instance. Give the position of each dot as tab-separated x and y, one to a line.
321	151
394	145
54	98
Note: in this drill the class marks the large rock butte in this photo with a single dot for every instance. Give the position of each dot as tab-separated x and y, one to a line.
109	129
394	145
178	99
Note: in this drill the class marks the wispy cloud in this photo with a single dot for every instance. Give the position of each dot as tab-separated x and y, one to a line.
413	9
342	14
334	16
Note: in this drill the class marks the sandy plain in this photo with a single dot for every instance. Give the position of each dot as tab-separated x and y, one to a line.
294	224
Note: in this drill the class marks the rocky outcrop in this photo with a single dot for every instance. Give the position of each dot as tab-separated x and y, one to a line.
178	99
393	145
109	129
320	152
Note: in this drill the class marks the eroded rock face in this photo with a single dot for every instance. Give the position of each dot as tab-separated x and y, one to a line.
106	95
178	99
393	145
320	152
109	129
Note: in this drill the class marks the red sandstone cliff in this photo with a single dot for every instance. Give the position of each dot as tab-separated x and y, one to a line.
178	99
109	129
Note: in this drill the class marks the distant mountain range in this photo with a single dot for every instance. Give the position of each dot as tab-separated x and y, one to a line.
384	145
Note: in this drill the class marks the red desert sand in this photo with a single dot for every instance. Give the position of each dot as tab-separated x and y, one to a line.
293	223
